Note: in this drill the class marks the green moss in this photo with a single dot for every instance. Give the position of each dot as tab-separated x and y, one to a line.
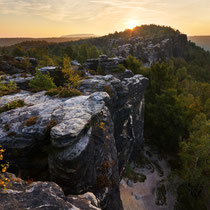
12	105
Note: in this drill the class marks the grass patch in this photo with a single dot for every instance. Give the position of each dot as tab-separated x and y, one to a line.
31	121
12	105
69	92
8	88
132	175
53	92
64	92
161	195
119	69
50	125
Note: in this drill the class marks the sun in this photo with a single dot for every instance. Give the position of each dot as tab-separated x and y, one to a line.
131	24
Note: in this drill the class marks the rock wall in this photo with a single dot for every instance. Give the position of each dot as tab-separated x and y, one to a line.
81	143
150	50
43	195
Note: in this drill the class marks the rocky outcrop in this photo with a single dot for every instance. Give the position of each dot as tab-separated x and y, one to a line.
81	143
21	80
147	50
106	64
16	65
43	195
150	50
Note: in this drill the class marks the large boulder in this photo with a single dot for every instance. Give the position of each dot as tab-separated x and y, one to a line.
42	195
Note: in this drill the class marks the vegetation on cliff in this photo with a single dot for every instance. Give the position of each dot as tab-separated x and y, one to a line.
177	99
177	119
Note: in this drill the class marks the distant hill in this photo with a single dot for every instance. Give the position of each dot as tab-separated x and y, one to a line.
202	41
79	35
5	42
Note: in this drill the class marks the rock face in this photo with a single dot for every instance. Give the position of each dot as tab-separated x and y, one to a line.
150	50
106	64
81	143
22	80
43	195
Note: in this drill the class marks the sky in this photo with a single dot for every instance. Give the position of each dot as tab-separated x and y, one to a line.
54	18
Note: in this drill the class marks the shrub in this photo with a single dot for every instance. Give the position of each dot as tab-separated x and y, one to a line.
109	90
132	175
69	92
50	125
120	68
161	195
12	105
102	181
8	88
100	71
93	72
73	79
53	92
42	82
31	121
6	127
133	64
4	181
11	134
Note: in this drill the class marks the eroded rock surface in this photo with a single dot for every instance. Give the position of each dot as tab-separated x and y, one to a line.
81	143
43	195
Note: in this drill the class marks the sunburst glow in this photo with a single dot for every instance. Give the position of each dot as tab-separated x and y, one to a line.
131	24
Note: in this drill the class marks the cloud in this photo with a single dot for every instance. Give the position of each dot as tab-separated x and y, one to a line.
92	10
69	10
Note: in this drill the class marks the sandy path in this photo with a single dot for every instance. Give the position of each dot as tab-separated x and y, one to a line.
142	196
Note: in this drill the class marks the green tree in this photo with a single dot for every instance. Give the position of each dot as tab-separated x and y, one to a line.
19	51
195	171
165	121
195	152
46	61
83	53
72	78
133	64
165	113
42	82
94	52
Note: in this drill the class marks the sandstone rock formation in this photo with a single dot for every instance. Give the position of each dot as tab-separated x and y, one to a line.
43	195
150	50
81	143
